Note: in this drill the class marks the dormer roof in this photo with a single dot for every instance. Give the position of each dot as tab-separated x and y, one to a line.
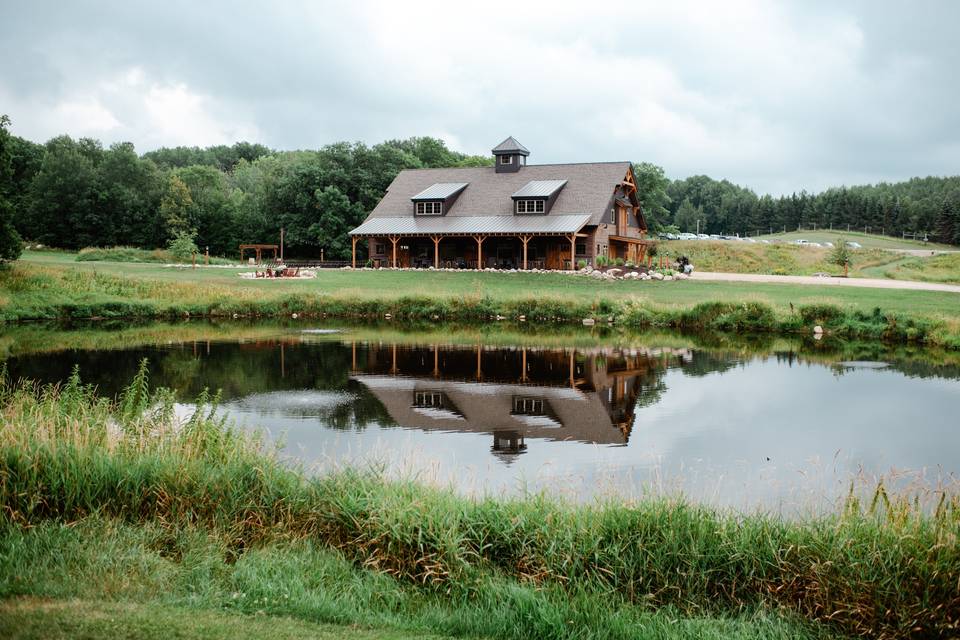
509	147
539	189
440	191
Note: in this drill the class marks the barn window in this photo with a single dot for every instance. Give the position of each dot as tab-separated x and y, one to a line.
429	208
530	206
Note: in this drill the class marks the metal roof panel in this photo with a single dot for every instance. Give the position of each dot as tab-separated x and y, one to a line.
440	191
539	189
466	225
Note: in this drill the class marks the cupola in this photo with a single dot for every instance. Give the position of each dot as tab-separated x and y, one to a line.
509	156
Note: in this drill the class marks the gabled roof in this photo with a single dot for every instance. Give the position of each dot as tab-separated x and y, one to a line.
539	189
440	191
589	189
510	145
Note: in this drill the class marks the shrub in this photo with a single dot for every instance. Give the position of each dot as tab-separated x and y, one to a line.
602	261
618	262
182	246
581	263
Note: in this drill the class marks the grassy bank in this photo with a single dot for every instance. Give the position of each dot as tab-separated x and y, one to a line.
131	254
112	502
49	288
794	260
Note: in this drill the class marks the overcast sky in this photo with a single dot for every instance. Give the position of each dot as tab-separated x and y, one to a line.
777	96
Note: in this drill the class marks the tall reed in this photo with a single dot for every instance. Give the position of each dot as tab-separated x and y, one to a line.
881	569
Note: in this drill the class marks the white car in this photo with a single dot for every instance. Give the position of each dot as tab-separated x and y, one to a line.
800	242
854	245
702	236
813	244
688	236
829	245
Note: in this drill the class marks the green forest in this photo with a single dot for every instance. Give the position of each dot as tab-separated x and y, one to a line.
73	194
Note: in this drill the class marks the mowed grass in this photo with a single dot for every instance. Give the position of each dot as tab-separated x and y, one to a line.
46	619
167	284
868	240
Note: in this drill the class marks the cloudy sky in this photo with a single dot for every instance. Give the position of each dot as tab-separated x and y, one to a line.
777	96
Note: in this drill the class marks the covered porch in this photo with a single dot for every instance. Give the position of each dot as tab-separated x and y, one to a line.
475	252
629	249
495	242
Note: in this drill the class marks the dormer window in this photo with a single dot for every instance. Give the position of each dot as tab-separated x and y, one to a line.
430	208
506	159
530	206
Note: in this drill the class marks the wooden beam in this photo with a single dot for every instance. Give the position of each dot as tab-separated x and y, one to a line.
573	251
525	240
353	241
394	240
479	240
436	251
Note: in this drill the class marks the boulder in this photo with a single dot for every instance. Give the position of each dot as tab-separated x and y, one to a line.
657	275
614	271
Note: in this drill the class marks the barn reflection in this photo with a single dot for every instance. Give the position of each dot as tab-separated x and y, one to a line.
514	394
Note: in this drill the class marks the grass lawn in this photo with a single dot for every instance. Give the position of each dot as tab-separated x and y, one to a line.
45	619
868	240
389	285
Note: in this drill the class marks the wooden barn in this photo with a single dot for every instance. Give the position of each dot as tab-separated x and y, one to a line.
512	215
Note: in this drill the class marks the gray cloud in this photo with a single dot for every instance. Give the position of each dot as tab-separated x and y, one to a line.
776	96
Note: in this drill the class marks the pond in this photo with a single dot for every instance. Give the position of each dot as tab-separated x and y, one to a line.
779	425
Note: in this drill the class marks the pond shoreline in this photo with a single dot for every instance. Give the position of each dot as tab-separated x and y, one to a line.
31	292
121	477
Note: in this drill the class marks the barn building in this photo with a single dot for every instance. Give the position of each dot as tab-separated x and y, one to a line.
513	215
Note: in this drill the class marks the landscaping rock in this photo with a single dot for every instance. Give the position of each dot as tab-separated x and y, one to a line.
614	271
657	276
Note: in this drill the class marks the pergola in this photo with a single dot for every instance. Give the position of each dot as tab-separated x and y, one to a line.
258	248
479	228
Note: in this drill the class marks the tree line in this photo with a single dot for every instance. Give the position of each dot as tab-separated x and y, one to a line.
74	193
928	207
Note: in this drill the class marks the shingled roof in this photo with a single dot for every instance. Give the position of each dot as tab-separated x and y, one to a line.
589	190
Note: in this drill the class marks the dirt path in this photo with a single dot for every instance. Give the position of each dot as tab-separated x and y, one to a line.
875	283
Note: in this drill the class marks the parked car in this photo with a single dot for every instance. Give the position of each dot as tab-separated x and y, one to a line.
854	245
688	236
800	242
702	236
813	244
829	245
749	240
765	241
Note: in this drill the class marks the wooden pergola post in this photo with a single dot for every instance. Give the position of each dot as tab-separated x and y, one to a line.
436	251
479	240
525	240
353	241
394	240
573	251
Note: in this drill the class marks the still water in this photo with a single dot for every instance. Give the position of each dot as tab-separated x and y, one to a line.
772	428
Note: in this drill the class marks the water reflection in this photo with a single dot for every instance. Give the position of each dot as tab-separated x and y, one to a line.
512	394
735	427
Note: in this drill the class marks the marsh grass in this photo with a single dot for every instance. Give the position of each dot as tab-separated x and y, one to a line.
883	568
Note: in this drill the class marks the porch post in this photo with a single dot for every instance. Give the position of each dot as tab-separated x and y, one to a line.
394	239
573	252
436	251
353	241
524	240
479	240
